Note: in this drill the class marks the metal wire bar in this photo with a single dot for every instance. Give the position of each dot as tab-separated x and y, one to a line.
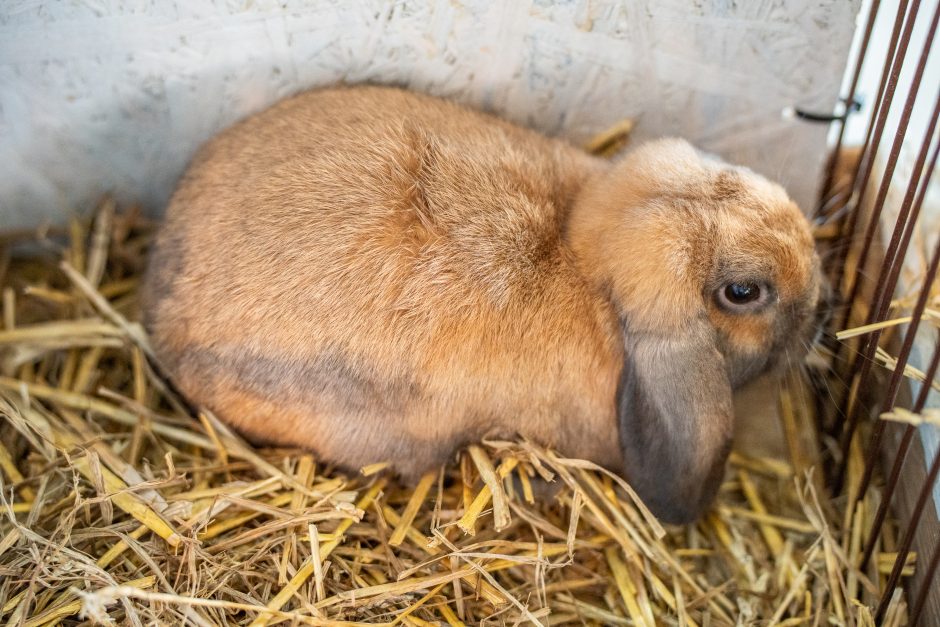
836	264
891	270
899	458
922	398
860	217
902	358
849	99
905	547
876	125
895	146
906	218
862	363
908	344
901	132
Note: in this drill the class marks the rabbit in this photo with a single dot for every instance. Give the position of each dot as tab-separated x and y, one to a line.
378	275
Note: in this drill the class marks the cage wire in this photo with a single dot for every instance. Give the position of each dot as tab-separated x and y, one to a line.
865	270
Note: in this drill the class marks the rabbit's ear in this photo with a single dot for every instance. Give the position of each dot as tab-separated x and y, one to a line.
676	419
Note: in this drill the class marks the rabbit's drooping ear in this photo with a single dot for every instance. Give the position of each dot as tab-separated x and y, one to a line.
676	419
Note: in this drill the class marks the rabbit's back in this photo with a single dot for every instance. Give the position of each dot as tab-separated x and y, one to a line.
375	274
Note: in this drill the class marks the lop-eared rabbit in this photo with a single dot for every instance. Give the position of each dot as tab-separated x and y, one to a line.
374	274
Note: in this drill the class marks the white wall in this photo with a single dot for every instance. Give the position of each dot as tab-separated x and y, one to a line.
116	95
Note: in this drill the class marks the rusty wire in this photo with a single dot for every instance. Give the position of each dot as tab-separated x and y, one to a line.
860	221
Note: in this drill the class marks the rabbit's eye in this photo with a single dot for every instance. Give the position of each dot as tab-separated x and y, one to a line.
743	296
741	293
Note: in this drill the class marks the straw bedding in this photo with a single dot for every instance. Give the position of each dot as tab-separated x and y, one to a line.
118	507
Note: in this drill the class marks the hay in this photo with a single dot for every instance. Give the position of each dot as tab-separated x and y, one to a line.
117	507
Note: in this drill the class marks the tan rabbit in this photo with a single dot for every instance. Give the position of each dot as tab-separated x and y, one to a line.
378	275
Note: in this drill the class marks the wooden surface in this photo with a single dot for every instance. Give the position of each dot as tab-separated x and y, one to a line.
117	95
927	538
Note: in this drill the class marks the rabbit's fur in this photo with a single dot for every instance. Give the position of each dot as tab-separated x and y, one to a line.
378	275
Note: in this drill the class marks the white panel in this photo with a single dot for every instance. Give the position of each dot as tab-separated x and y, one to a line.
116	95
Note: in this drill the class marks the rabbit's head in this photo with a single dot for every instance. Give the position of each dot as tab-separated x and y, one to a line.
712	272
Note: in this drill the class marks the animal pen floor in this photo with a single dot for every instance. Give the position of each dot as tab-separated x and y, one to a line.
118	507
